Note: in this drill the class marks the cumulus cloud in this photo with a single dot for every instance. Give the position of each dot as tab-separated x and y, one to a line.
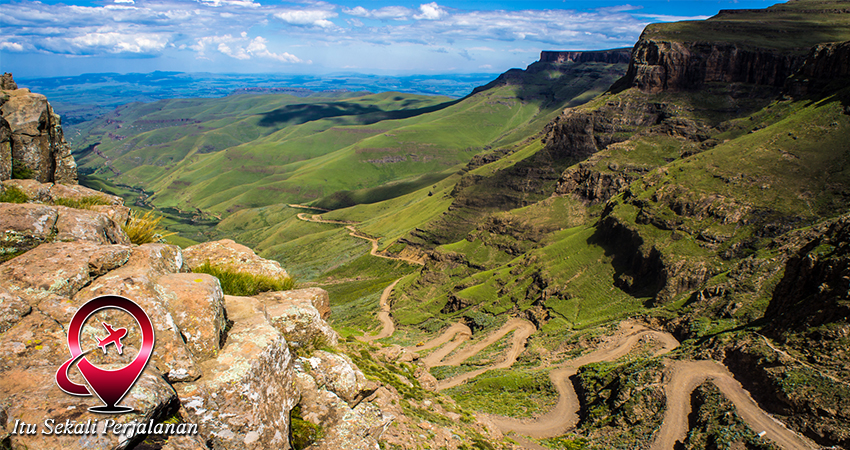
242	48
431	11
252	30
315	17
12	46
387	12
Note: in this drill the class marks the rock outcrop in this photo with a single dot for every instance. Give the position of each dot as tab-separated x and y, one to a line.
225	364
31	137
826	65
613	56
661	65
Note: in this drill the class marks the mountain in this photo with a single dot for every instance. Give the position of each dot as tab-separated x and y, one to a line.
704	194
596	255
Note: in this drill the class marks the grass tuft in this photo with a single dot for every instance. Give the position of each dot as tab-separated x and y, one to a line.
82	203
145	229
234	282
20	171
13	195
303	433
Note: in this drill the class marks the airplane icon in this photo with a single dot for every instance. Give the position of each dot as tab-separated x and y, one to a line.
114	337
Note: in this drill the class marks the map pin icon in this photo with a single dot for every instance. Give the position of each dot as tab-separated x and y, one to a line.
110	385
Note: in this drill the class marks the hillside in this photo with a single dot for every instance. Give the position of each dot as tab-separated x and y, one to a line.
307	149
583	254
704	194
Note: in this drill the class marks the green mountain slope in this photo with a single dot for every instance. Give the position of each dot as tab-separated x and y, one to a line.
222	155
705	194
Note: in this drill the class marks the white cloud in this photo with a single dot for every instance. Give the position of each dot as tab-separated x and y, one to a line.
13	46
315	17
387	12
114	42
125	1
431	11
241	48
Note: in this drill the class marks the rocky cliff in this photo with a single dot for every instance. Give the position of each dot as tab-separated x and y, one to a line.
613	56
31	137
661	65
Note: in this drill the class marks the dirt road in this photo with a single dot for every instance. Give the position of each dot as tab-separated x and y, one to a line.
387	325
521	329
685	376
374	252
564	415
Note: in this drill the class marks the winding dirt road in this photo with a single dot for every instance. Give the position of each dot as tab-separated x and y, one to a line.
521	329
387	325
564	415
685	376
681	377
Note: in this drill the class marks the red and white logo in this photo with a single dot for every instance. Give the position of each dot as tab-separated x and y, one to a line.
109	385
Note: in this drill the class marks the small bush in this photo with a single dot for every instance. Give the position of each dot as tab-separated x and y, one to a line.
13	195
234	282
20	171
302	433
83	203
145	229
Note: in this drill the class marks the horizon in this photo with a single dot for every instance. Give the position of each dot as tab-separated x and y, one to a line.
375	37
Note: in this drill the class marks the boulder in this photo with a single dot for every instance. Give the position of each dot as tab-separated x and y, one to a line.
195	301
246	394
79	224
226	253
26	225
136	280
36	140
293	314
336	373
59	269
31	353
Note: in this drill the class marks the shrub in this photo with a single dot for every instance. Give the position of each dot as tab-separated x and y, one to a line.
20	171
13	195
302	433
145	229
234	282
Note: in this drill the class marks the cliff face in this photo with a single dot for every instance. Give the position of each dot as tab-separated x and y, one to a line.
658	66
827	64
31	135
613	56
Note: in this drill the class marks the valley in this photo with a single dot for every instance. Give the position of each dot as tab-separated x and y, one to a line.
642	249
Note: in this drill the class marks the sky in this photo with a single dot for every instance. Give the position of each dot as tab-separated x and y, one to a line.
50	38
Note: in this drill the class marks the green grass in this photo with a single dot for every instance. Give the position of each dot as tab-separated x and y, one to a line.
145	228
81	203
244	283
302	433
11	194
507	392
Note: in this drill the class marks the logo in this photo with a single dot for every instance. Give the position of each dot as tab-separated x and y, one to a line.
109	385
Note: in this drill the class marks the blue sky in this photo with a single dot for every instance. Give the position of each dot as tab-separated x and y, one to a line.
51	38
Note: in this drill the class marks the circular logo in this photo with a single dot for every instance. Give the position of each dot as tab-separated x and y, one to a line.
109	385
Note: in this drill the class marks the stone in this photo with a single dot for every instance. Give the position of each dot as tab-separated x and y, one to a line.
36	139
79	224
336	373
77	192
119	214
12	309
30	354
28	219
5	149
59	268
293	314
246	394
226	253
195	301
7	83
33	189
136	280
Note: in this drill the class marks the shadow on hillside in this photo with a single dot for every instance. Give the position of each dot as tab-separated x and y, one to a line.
357	113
